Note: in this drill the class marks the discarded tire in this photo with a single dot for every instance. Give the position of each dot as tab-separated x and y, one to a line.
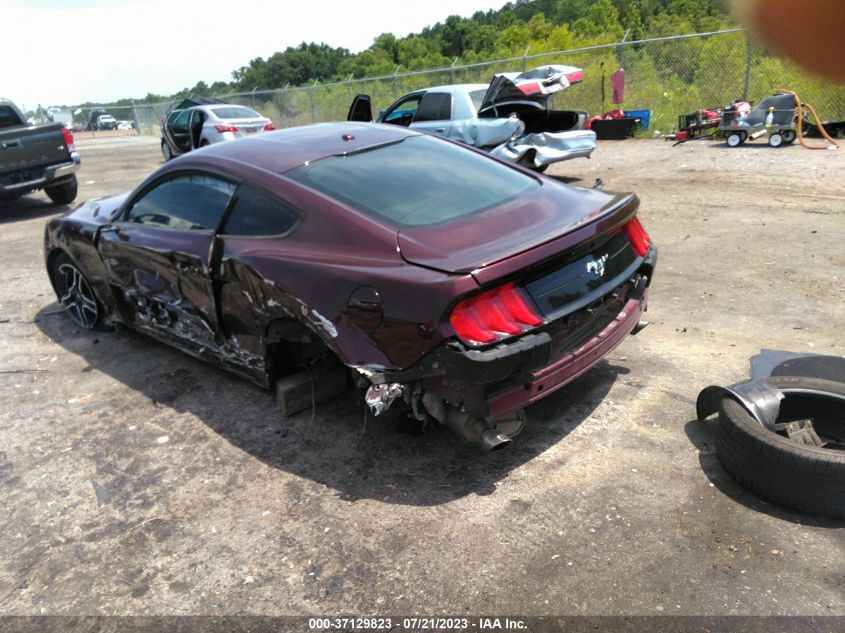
801	476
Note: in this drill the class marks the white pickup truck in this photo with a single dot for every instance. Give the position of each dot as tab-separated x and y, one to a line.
35	157
510	117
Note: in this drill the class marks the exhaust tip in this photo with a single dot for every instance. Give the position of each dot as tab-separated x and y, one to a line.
495	441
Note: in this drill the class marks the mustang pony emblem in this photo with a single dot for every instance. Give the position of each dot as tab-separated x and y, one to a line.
597	266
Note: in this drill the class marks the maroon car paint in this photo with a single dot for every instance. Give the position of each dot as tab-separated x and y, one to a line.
376	296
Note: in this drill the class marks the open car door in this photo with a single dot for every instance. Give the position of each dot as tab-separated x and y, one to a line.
361	109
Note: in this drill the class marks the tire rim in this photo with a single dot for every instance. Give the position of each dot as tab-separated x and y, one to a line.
734	140
775	140
165	150
78	299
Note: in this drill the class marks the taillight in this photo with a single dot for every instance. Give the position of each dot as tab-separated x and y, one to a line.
639	238
225	128
494	315
68	136
269	127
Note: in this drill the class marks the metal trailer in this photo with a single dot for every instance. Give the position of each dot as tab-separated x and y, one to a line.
740	124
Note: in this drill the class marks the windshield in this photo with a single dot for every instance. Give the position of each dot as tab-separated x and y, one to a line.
236	112
418	181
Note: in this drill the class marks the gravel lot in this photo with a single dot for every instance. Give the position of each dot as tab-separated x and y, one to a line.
137	480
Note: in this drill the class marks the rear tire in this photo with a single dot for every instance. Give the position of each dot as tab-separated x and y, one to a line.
166	151
63	193
734	140
800	476
775	140
788	136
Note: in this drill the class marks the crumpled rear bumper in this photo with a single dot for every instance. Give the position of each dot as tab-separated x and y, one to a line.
548	147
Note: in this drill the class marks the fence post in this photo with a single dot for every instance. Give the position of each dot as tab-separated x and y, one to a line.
135	118
452	71
253	95
621	56
395	72
311	97
525	58
747	87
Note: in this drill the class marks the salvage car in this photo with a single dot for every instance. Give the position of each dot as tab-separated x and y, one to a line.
511	117
466	287
201	125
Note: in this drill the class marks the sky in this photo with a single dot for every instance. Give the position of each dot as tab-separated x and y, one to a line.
64	52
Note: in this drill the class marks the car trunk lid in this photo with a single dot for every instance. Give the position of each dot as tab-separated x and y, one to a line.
519	234
534	86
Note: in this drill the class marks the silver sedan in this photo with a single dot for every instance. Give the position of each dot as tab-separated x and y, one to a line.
203	125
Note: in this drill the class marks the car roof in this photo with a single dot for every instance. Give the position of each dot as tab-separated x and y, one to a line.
452	88
283	150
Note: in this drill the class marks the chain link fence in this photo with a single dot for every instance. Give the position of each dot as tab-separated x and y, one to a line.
669	76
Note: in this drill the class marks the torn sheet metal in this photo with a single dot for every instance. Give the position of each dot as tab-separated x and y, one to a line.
548	147
761	399
380	397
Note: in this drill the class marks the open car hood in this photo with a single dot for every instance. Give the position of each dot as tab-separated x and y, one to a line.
535	85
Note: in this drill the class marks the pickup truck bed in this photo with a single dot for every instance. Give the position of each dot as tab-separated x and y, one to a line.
35	157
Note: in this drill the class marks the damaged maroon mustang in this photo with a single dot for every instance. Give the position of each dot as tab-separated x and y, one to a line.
462	285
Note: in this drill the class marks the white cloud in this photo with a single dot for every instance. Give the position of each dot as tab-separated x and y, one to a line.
96	51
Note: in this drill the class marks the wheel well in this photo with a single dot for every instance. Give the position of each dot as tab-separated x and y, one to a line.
291	345
51	260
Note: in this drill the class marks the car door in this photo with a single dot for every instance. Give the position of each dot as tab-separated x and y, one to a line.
195	123
159	254
402	112
178	131
434	114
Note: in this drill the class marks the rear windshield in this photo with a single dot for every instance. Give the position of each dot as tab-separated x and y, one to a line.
477	97
8	117
236	112
418	181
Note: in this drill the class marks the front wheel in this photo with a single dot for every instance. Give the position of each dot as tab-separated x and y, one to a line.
74	292
734	140
63	193
775	140
788	136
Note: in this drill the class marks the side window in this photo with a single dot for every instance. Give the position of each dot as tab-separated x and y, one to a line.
257	213
186	202
181	119
403	112
435	106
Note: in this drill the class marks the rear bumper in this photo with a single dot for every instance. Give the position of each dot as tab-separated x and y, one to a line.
496	382
550	378
27	180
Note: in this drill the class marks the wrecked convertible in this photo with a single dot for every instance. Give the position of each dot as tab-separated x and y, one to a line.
511	117
464	287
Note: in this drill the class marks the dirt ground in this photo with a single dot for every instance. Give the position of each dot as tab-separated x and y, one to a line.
137	480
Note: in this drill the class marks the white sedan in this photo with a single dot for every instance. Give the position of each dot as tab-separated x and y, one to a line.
202	125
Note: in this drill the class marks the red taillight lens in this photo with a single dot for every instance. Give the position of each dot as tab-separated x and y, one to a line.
68	136
639	238
494	315
269	127
225	128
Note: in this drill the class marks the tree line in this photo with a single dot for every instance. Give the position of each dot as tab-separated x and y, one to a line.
537	25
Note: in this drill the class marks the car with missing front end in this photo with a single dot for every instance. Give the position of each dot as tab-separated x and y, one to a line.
511	117
465	288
